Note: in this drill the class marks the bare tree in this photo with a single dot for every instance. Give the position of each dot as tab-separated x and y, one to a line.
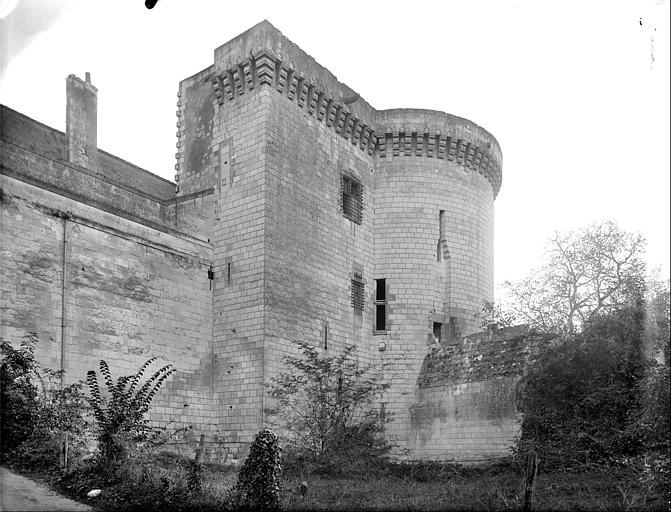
591	271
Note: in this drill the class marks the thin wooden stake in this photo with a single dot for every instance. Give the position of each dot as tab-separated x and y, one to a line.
64	452
532	470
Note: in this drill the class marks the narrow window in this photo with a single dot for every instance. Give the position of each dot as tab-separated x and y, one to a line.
228	272
437	329
380	305
357	293
326	337
381	290
352	198
380	317
441	235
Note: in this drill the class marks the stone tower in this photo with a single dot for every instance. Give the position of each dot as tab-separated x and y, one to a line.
334	223
436	179
299	213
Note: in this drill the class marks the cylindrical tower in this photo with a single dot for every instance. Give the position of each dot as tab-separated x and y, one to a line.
435	182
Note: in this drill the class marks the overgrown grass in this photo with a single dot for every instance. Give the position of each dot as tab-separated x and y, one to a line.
474	489
160	482
152	482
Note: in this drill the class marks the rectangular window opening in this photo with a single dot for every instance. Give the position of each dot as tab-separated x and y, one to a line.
380	317
380	305
437	330
357	293
381	289
352	198
441	235
326	337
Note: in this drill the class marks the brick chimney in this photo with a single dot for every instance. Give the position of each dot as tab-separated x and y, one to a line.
81	121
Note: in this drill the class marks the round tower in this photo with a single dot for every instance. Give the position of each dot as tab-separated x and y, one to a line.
435	183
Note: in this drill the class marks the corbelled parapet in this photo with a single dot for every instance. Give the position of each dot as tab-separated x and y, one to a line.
434	134
263	56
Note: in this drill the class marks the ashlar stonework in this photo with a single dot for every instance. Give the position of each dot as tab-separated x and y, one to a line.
298	212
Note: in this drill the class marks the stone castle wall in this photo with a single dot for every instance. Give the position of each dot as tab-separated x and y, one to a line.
466	395
94	285
433	242
251	250
312	249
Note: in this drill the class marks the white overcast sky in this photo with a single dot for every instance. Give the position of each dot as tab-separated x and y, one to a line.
576	92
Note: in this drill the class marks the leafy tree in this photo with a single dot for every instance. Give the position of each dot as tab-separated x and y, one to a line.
37	410
120	415
581	395
589	272
655	407
326	406
495	313
61	411
658	331
18	394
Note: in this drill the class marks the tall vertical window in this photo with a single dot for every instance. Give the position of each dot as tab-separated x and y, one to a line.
357	292
441	235
325	335
380	305
352	198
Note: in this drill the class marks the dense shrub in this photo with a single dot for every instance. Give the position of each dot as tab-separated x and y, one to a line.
258	486
326	406
655	408
18	394
62	418
581	396
38	412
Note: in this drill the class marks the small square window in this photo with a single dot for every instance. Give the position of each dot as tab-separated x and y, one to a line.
352	198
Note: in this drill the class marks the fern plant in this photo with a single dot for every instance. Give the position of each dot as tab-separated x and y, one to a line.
121	413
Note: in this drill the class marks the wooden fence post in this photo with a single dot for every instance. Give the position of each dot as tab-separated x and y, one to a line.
532	470
64	452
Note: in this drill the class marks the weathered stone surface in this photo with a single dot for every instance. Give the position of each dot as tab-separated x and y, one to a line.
466	407
293	195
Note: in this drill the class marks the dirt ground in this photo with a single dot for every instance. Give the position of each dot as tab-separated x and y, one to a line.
18	493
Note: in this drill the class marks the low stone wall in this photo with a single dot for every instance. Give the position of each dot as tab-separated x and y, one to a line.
466	407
